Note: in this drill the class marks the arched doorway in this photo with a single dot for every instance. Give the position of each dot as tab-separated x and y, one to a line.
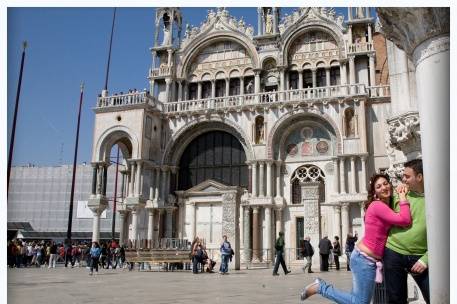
215	155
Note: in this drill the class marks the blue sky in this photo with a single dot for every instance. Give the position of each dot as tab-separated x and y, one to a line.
68	46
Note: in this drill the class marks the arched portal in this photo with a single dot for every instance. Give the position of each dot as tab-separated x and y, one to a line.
215	155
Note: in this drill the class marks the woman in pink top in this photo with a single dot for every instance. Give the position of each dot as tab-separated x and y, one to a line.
365	259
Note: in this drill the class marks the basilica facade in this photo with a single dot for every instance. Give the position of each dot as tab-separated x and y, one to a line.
247	133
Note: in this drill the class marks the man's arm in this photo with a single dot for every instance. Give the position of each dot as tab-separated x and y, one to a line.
421	264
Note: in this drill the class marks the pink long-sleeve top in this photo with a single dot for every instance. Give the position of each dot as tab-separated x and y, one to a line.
378	220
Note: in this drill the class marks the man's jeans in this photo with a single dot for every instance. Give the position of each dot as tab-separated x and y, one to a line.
396	268
309	260
363	275
224	263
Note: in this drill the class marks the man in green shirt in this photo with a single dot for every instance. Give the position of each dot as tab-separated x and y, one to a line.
406	248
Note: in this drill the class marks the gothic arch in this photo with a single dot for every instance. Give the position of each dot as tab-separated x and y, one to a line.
128	143
284	123
315	25
190	131
195	47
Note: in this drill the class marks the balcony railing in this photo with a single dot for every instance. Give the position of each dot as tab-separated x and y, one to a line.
134	98
360	47
247	100
158	72
379	91
279	97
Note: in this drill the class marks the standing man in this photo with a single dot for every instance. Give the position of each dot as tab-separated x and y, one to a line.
324	250
279	246
406	248
308	252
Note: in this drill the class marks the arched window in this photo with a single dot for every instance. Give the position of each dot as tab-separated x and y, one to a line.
307	173
293	80
307	79
259	130
335	76
321	78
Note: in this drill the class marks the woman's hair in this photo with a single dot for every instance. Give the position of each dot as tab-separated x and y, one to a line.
371	191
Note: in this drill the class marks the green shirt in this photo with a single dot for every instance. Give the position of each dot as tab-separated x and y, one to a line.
413	239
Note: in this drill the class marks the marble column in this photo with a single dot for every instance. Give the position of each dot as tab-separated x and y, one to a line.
311	215
199	90
337	221
150	227
255	233
131	179
193	219
342	178
259	21
257	82
241	85
362	215
352	185
179	90
372	67
269	178
300	79
335	176
168	82
344	219
227	87
275	21
278	178
352	74
313	71
370	35
213	88
156	184
121	228
327	77
261	179
254	179
138	179
267	241
94	180
169	223
134	228
163	194
278	215
96	225
247	235
363	182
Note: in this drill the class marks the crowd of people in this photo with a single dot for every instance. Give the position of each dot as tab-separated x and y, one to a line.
21	253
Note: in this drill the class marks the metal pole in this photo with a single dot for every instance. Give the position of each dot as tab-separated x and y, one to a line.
113	225
16	107
72	193
109	53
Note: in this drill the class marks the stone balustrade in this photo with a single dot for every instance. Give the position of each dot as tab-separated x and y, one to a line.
135	98
160	72
361	47
245	100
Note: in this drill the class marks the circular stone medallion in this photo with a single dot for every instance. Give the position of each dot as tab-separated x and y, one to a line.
322	147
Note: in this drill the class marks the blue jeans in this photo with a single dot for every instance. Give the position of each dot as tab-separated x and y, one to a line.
363	276
224	263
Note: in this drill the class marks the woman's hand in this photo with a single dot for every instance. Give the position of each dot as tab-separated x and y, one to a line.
402	190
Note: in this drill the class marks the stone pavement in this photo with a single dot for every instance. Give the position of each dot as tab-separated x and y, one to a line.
61	285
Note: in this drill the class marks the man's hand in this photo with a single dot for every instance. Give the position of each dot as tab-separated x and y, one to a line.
402	190
419	267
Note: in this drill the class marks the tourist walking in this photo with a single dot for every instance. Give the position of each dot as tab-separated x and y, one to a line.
366	258
226	255
95	253
336	252
52	255
350	243
325	247
307	252
406	248
279	246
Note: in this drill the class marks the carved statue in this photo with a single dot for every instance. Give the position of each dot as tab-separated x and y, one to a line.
360	12
166	35
188	30
269	22
260	132
250	87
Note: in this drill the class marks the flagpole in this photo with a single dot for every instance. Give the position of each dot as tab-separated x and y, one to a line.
16	107
72	193
109	52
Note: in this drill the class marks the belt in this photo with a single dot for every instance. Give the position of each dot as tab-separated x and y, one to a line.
378	278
